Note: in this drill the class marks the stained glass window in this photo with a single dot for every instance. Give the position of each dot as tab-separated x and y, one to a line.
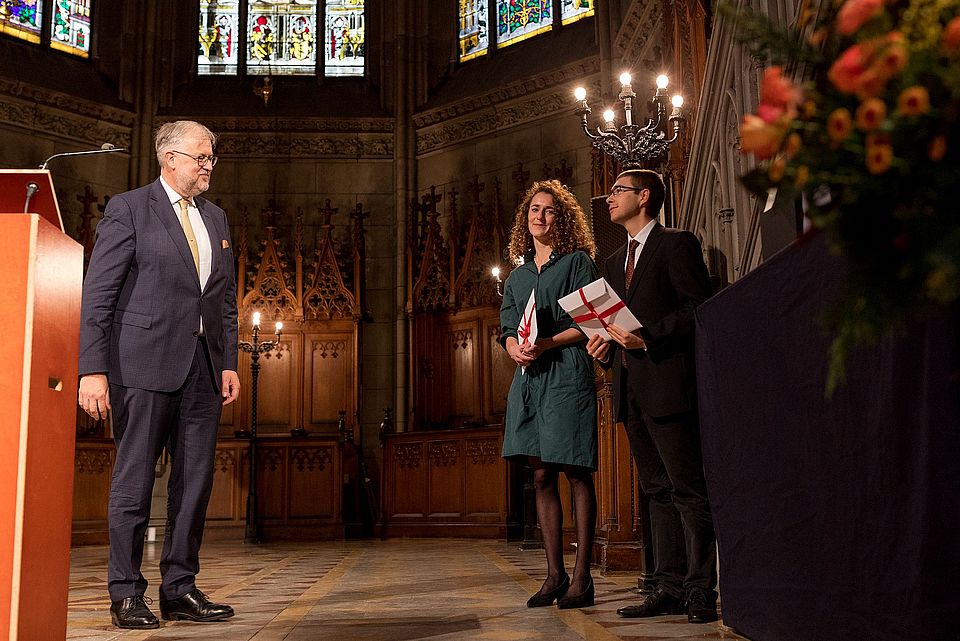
219	37
344	44
520	19
473	28
281	37
573	10
21	18
70	26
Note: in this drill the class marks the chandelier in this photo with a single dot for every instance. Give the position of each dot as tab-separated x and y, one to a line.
631	144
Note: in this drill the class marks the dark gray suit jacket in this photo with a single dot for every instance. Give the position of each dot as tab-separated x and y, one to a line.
669	282
141	295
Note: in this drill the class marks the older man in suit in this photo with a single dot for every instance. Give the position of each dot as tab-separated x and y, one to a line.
158	346
661	277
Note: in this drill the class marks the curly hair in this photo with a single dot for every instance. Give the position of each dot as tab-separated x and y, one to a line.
570	229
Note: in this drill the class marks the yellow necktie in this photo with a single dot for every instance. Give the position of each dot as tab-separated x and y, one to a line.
188	232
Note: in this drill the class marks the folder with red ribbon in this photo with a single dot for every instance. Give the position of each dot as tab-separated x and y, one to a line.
596	306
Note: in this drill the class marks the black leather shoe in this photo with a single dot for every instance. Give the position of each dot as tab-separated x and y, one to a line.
656	604
542	599
194	606
132	613
701	606
582	600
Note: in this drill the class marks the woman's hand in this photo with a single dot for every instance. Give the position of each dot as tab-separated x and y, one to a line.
516	353
538	348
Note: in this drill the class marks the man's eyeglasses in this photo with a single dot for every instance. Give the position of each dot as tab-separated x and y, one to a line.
201	159
619	189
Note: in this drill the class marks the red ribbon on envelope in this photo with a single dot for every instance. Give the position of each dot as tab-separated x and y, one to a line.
524	330
610	311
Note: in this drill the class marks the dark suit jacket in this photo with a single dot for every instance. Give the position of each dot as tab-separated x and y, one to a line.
141	296
669	282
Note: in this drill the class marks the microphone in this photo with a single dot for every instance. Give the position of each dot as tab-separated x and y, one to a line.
105	148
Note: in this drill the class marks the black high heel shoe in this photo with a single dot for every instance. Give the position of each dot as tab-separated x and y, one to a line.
542	599
582	600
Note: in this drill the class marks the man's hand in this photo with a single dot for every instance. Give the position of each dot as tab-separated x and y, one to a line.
230	387
94	395
598	348
627	340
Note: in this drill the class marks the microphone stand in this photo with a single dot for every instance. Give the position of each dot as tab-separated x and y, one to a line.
107	148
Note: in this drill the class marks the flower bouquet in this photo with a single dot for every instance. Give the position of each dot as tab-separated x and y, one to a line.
872	142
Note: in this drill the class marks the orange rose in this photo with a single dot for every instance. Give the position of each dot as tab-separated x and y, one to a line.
937	148
893	55
854	13
777	168
801	177
870	114
950	40
914	101
846	71
839	125
879	153
792	145
758	137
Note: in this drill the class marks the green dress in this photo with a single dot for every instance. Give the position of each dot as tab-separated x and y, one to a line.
552	408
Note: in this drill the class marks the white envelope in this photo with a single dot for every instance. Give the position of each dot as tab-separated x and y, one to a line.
595	306
527	329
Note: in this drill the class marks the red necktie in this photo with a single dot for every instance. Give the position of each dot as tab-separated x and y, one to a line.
627	278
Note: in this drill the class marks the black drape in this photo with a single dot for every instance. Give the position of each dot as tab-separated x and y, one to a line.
836	519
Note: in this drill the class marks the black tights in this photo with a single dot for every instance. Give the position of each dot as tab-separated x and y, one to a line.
550	515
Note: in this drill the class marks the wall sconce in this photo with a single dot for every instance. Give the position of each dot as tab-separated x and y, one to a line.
263	87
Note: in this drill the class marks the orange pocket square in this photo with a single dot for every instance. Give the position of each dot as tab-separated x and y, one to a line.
224	244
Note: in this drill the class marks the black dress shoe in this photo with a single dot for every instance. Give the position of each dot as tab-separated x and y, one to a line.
701	606
582	600
542	599
132	613
194	606
656	604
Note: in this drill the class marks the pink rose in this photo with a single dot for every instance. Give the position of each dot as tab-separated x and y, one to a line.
854	13
778	94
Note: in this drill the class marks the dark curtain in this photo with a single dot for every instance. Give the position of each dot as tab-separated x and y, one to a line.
836	519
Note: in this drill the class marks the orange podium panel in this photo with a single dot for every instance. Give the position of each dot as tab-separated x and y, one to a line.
40	301
29	190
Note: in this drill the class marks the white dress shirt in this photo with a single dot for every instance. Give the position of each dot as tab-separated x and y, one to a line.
641	238
199	230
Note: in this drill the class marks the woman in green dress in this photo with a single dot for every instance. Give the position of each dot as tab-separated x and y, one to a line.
551	418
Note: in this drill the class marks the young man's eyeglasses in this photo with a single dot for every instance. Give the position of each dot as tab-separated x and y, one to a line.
201	159
619	189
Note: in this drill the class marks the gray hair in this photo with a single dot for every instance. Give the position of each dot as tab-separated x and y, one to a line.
171	134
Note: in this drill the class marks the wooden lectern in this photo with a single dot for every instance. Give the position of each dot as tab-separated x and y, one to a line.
40	306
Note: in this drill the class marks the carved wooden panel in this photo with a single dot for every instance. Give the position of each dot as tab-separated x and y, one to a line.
329	378
446	479
483	471
93	469
406	482
445	483
278	386
313	484
498	372
271	481
225	495
460	344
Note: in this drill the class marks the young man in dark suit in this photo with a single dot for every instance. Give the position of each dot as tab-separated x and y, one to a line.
158	345
661	276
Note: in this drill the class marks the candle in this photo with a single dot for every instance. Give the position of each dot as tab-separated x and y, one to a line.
256	320
279	327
